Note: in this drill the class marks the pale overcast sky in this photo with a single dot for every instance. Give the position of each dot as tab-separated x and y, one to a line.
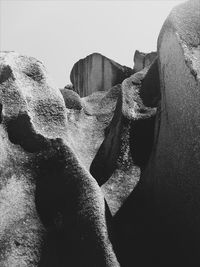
59	33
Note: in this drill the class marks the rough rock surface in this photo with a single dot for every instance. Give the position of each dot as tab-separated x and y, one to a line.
142	60
113	166
135	145
97	73
166	201
174	168
52	210
72	99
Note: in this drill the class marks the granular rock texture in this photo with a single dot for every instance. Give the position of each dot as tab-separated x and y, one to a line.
113	166
104	172
52	210
97	73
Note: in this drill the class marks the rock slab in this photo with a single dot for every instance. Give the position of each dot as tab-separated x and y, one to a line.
142	60
97	73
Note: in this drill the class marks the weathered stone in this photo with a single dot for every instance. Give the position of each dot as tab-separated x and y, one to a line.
174	168
113	166
166	200
97	73
142	60
52	210
69	87
150	88
71	98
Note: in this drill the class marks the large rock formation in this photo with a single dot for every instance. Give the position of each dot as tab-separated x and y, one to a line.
142	60
97	73
113	166
166	201
174	168
52	210
68	163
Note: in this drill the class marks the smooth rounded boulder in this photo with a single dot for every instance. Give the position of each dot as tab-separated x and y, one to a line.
165	204
174	168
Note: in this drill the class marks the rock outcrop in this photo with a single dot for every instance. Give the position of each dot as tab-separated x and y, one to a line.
106	175
52	210
113	166
72	99
174	168
142	60
166	200
97	73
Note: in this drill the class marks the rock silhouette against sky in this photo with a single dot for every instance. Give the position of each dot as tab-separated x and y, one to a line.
104	172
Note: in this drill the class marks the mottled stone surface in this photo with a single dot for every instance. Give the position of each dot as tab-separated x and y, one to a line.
68	162
52	210
142	60
71	98
97	73
113	165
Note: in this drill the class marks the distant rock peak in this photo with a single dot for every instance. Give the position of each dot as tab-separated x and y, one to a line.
97	73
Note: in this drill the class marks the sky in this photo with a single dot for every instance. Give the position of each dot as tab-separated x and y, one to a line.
59	33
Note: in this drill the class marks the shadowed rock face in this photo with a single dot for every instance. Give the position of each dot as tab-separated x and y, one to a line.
166	201
139	141
72	99
142	60
114	166
52	210
174	169
97	73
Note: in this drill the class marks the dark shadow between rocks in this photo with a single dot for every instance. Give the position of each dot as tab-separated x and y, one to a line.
20	132
5	73
71	239
1	108
136	221
141	140
105	160
150	88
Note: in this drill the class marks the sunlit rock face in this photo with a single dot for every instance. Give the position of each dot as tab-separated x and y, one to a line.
52	210
97	73
142	60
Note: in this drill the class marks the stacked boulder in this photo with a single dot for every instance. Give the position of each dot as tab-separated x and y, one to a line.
142	60
97	73
104	172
